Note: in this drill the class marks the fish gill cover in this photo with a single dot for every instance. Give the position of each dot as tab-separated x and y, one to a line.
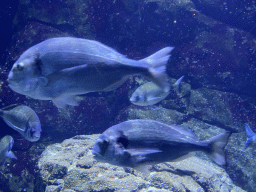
214	49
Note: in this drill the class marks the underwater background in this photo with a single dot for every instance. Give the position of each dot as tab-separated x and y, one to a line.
215	51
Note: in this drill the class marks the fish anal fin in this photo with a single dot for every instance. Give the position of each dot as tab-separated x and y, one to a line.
184	157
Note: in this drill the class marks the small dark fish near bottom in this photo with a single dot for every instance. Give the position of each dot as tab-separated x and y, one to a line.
136	143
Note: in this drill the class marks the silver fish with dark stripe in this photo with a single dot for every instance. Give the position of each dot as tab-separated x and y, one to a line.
136	143
60	69
22	119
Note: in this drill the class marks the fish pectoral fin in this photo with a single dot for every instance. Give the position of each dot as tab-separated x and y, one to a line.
43	81
115	85
31	85
142	152
155	98
13	126
69	71
10	154
53	77
63	101
10	107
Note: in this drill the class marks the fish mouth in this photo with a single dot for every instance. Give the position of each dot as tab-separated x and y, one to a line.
11	81
96	155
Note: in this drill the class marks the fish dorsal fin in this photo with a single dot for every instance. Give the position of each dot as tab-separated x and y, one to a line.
184	130
10	107
176	85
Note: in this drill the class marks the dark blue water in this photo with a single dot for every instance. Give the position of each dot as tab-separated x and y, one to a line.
214	49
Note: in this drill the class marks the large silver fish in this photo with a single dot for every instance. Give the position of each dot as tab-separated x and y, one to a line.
150	93
22	119
136	143
59	69
6	144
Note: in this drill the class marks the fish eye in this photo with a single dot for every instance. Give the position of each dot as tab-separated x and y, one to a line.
137	98
20	66
123	140
103	146
142	98
32	133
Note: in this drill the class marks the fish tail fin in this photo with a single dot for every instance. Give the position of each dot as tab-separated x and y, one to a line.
250	134
217	145
157	67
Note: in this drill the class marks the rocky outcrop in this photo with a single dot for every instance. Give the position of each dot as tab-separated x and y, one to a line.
69	166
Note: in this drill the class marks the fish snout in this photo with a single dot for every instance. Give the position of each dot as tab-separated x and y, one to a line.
10	78
96	150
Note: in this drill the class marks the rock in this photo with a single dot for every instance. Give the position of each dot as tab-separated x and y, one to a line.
222	108
70	166
151	112
241	162
240	14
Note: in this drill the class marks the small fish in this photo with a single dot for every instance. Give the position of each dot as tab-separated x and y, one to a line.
22	119
150	93
59	69
6	144
251	136
136	143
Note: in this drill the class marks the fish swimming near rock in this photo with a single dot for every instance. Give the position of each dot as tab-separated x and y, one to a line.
251	136
150	93
22	119
6	144
136	143
59	69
